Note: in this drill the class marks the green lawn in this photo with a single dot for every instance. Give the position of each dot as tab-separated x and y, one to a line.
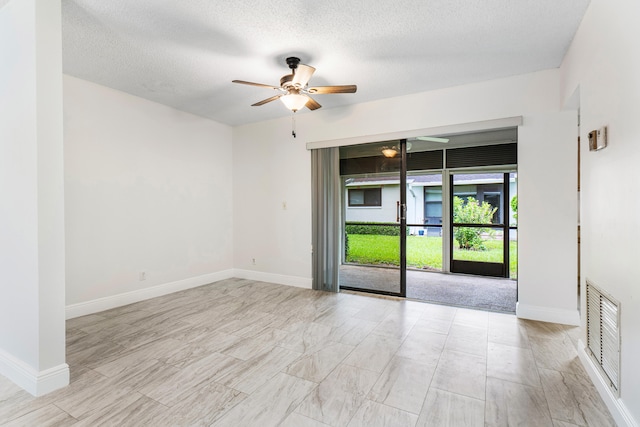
422	252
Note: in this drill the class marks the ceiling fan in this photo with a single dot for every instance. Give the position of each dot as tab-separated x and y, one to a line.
394	150
432	139
294	90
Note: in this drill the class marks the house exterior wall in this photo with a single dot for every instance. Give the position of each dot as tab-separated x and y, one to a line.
387	212
415	206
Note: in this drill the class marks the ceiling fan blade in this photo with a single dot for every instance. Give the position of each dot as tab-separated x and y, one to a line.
333	89
301	74
312	104
264	101
242	82
432	139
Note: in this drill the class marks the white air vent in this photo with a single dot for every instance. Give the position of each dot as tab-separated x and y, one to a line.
603	332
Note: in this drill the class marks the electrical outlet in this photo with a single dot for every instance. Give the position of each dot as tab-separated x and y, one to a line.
253	261
142	276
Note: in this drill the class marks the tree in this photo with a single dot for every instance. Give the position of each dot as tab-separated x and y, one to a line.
471	212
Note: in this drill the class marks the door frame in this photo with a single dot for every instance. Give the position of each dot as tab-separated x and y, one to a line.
401	224
447	219
477	267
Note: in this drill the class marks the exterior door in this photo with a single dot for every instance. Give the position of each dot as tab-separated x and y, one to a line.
404	208
480	222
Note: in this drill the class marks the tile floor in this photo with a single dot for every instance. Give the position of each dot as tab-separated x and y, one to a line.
244	353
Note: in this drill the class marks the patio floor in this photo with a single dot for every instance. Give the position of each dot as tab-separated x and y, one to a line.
460	290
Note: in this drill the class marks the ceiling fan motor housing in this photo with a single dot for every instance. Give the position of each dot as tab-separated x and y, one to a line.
293	62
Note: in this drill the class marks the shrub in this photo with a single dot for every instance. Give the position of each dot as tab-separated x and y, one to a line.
346	246
369	228
471	212
514	206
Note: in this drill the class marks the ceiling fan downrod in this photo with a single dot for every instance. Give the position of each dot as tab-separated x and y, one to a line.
293	62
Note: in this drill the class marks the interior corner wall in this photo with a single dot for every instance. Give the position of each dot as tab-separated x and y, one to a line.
32	275
271	169
272	204
548	218
148	198
604	63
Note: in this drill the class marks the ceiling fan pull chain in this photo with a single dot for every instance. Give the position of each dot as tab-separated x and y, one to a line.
293	125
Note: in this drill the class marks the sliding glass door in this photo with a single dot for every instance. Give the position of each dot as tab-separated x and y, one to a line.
411	207
373	218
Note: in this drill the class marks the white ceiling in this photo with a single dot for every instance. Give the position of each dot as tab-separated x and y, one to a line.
185	54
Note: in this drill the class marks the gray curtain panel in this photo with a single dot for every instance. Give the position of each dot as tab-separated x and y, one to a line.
325	181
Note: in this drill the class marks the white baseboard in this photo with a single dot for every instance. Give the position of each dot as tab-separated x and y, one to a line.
106	303
616	406
299	282
38	383
548	314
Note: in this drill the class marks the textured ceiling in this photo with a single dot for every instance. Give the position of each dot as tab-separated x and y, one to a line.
185	54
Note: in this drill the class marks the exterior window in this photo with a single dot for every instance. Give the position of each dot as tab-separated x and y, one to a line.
365	197
433	205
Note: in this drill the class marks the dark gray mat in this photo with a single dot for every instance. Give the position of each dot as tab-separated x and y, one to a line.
485	293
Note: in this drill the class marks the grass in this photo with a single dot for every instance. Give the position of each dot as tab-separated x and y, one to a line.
422	252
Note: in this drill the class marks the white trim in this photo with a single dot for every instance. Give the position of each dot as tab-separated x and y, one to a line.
106	303
392	181
37	383
548	314
616	406
439	130
298	282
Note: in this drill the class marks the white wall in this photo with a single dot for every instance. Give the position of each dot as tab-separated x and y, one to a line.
148	188
271	166
604	64
271	170
32	209
547	215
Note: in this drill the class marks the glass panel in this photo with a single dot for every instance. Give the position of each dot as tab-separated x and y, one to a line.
513	203
371	259
356	197
365	196
478	244
477	198
513	254
424	221
513	222
424	251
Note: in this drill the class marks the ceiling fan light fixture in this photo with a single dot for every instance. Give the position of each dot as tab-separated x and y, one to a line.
294	101
389	152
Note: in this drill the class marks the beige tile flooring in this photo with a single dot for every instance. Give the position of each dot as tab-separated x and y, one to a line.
244	353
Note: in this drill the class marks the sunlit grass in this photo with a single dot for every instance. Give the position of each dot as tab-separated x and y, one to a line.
422	252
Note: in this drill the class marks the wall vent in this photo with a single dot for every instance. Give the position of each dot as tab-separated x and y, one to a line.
603	333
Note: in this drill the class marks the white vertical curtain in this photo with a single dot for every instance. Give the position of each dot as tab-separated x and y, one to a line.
325	181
